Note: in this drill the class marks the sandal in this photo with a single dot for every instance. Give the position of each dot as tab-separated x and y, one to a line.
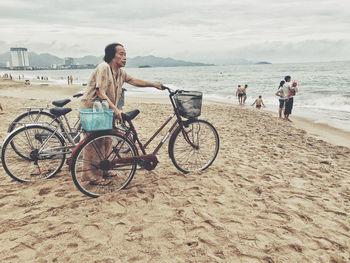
109	175
102	182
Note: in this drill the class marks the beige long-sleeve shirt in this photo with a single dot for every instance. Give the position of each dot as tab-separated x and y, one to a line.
103	78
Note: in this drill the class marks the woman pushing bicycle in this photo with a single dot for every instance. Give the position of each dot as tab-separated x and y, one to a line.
109	78
106	82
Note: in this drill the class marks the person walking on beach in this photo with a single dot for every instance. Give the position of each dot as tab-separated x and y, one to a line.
71	79
282	99
258	102
245	93
106	82
239	94
1	109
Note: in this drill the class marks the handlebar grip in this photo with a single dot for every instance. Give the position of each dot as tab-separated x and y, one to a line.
172	92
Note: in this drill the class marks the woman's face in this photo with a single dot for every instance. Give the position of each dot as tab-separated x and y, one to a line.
120	57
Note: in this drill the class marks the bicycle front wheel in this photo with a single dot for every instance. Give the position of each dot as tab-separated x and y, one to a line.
95	168
38	153
195	147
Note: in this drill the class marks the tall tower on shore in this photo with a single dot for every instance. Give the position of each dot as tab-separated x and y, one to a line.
19	57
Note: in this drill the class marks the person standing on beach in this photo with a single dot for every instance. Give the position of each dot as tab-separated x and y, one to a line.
1	110
282	99
245	93
290	100
239	94
106	82
71	79
287	88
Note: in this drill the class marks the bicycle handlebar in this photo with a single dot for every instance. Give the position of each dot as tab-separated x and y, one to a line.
171	91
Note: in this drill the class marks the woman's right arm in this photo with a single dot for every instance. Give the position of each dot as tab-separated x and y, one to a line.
102	95
101	86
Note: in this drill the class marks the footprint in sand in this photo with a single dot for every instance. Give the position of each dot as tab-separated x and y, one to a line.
44	191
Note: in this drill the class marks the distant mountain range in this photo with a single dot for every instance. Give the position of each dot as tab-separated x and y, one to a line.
46	60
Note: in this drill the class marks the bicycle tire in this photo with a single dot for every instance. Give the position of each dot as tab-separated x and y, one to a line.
29	162
199	156
31	117
98	163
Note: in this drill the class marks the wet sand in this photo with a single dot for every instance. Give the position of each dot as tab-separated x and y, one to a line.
276	193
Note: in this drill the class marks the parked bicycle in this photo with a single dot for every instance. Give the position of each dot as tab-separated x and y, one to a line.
38	150
113	155
38	147
43	115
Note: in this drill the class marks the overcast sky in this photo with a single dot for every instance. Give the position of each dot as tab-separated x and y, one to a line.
194	30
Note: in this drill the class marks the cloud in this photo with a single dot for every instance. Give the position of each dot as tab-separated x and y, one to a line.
282	52
169	28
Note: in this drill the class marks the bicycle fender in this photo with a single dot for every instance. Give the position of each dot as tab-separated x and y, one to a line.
75	150
21	116
172	137
34	125
96	134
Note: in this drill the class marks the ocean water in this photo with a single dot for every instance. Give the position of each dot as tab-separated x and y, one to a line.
323	97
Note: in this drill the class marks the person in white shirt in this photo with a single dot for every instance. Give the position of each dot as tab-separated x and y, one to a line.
282	99
287	88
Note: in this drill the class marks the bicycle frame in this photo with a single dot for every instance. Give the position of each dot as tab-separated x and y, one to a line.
63	149
149	161
178	124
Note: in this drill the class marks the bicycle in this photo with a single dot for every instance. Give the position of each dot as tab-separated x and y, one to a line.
34	145
42	115
193	146
37	151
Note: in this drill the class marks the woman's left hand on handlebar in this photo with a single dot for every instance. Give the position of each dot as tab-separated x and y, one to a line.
158	86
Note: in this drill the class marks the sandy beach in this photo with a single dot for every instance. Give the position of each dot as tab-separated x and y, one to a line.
277	192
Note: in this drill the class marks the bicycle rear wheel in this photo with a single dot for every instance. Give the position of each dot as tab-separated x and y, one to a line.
195	147
31	117
93	161
37	154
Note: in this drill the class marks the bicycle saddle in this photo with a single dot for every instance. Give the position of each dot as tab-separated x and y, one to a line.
60	111
128	116
60	103
79	94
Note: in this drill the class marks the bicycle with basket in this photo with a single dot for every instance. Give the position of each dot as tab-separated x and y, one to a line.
114	154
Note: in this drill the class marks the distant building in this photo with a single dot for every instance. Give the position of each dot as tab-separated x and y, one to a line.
19	56
68	61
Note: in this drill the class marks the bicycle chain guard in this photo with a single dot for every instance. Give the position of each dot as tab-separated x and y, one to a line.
149	162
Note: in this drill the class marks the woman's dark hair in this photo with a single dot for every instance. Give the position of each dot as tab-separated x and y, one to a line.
281	83
110	51
287	78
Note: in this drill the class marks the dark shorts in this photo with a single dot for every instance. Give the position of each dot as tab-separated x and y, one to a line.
289	106
243	95
258	106
282	103
240	95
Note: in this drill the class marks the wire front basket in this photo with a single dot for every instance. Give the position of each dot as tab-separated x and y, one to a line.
189	103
